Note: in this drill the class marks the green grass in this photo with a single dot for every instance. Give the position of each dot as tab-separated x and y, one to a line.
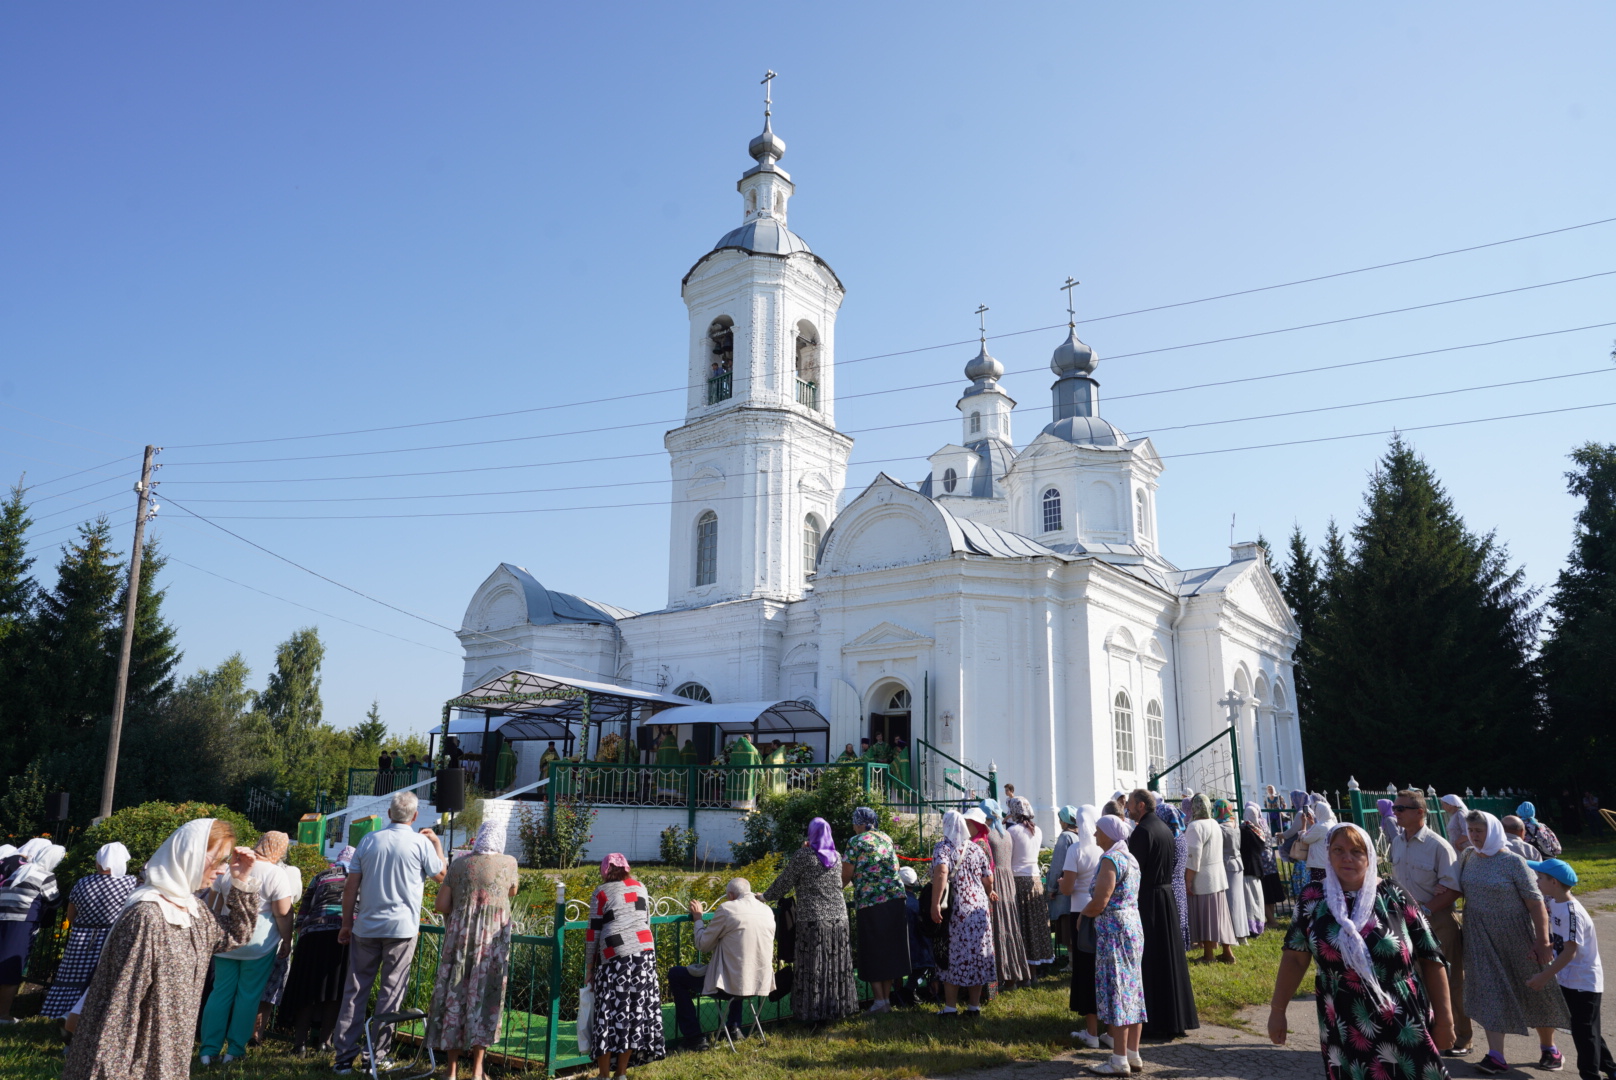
1222	990
1594	860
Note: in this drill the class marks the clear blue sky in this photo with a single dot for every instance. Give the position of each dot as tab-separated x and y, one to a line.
226	222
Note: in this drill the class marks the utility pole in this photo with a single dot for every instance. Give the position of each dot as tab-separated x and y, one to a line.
143	489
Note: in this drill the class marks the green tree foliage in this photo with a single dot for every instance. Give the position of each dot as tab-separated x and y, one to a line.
780	822
1422	650
71	670
153	653
1303	583
1577	654
142	829
17	596
369	734
22	807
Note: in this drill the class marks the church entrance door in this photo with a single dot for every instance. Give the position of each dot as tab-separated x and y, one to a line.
888	726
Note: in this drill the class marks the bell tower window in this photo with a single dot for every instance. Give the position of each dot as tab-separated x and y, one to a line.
976	423
812	531
807	365
721	368
1052	511
707	548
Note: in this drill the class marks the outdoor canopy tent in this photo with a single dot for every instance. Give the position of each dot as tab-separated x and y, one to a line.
524	705
761	720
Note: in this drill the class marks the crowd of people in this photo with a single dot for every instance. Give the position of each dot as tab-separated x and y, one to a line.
203	946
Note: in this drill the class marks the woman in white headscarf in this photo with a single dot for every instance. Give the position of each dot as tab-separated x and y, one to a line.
468	1001
1506	942
28	896
1119	947
139	1016
92	907
1458	829
959	870
1077	878
1382	985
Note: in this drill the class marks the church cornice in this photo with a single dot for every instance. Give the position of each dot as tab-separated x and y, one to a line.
708	431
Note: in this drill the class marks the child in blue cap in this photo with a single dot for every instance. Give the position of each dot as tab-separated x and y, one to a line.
1576	966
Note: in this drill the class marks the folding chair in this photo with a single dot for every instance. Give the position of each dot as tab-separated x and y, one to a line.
391	1020
723	1000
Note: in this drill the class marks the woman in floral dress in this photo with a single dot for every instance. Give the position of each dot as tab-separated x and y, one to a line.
961	866
92	907
824	987
1119	947
468	1001
871	867
1382	985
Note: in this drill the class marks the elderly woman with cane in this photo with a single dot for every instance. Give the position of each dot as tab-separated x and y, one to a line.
1382	985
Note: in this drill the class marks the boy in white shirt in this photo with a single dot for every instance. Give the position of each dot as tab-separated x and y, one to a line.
1576	966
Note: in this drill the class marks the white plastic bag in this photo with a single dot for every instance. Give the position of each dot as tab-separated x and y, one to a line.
586	1016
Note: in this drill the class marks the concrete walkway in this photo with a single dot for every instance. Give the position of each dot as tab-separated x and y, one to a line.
1219	1053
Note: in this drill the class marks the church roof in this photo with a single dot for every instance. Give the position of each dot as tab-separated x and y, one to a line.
1087	431
548	607
764	236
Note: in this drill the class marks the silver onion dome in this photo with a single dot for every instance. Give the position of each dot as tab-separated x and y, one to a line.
768	147
983	366
1072	357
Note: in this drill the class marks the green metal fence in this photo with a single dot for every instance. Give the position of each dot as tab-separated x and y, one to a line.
545	974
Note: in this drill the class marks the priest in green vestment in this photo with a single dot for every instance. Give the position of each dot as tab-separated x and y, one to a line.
741	786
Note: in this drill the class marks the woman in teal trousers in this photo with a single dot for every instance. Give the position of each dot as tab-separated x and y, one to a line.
239	975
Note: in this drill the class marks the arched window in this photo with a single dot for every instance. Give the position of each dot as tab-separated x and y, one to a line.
695	692
707	548
950	481
721	368
1139	512
900	702
1052	511
1122	722
812	531
1155	737
976	422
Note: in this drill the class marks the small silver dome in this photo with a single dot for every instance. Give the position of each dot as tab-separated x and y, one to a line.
767	145
984	366
1073	357
1087	430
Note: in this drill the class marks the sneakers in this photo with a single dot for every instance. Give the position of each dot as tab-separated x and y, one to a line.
1090	1041
1105	1041
1112	1066
205	1059
342	1068
1491	1066
1551	1060
1136	1063
1457	1051
227	1059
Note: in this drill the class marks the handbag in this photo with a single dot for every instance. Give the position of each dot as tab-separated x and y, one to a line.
586	1014
1086	939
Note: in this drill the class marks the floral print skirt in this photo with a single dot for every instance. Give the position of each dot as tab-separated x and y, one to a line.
970	949
1119	953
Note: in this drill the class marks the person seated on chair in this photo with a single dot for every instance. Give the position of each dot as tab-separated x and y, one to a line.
740	939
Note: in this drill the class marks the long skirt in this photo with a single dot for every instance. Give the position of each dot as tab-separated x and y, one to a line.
1082	998
316	975
1118	985
1273	890
824	987
1008	949
276	986
1236	893
970	948
883	941
1209	918
628	1009
1254	906
1033	910
72	976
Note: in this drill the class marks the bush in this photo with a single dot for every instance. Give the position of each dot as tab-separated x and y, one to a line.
677	845
562	846
142	829
780	822
309	860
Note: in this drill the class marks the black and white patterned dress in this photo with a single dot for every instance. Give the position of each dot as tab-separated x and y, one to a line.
97	900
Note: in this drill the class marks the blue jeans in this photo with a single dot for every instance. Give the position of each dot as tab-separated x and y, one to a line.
686	987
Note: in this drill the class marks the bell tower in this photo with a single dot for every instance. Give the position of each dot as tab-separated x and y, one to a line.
758	464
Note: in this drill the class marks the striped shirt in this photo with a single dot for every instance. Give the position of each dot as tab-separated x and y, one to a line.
30	888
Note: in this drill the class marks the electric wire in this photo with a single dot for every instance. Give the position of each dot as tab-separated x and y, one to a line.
676	420
906	352
949	420
628	505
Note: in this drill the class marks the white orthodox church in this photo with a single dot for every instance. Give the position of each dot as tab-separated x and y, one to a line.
1015	608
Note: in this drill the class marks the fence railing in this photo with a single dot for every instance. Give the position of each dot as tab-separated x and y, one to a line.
720	387
368	782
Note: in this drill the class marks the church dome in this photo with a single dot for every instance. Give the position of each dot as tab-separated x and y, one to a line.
1087	431
764	236
983	366
767	145
1072	357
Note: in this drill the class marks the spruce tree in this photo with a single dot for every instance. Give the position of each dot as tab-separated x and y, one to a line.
1302	582
1576	658
153	653
75	645
1421	659
17	595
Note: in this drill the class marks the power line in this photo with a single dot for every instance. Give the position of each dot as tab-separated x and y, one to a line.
621	506
1114	397
905	352
880	461
79	506
376	600
70	491
1120	356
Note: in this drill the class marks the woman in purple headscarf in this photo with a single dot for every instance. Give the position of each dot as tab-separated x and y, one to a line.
824	988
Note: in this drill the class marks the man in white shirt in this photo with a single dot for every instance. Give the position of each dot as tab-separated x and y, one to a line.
386	884
1425	865
1576	966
